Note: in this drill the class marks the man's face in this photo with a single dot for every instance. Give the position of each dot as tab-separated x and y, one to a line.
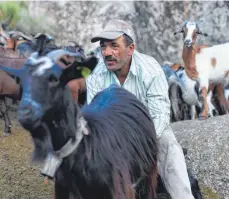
115	53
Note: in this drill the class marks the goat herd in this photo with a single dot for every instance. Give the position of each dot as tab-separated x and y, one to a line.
101	150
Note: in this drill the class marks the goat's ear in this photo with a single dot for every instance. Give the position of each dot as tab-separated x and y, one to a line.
179	31
79	70
13	71
184	22
202	33
90	62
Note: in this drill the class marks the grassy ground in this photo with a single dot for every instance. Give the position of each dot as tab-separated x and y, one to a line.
19	179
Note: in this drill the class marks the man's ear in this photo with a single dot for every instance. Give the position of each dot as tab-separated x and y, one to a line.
131	48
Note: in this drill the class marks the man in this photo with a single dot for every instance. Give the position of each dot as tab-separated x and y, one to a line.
143	76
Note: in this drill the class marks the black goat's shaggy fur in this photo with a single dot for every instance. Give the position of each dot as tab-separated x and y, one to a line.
120	151
116	160
122	146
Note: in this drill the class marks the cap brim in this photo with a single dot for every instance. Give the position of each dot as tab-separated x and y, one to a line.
107	35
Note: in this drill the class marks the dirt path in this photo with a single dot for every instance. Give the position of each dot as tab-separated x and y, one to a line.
18	178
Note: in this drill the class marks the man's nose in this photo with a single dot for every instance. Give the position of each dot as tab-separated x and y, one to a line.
107	51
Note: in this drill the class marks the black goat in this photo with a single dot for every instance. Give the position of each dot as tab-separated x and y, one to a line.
106	150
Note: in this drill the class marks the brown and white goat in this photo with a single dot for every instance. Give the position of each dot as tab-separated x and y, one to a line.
9	88
205	64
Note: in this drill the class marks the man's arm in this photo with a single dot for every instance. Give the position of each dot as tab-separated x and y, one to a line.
158	102
75	86
93	86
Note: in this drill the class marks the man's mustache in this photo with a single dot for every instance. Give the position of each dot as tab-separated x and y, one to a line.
110	58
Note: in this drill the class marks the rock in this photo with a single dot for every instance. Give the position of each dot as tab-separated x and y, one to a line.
153	37
208	157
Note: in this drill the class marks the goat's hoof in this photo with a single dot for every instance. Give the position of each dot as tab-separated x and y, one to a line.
5	134
202	117
185	151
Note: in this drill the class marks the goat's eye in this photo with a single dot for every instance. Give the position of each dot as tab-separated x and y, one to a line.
53	79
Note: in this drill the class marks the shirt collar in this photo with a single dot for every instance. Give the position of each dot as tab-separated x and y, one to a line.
133	69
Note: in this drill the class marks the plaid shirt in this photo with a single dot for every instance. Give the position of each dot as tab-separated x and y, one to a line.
146	80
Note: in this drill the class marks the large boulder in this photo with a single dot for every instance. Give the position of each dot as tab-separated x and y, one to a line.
153	21
208	151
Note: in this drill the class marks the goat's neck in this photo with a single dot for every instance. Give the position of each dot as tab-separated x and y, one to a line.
189	58
63	125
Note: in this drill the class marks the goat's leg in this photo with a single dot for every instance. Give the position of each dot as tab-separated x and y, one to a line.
185	111
212	108
175	96
61	192
204	84
221	98
204	111
4	112
194	186
193	112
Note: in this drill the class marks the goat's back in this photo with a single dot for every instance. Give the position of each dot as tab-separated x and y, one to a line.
118	115
8	85
213	61
12	62
8	53
122	140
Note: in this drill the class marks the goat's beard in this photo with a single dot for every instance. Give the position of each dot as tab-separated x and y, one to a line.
42	143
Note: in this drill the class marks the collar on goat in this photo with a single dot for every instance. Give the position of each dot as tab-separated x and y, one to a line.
54	160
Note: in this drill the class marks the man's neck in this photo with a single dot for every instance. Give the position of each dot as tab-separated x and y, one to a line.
122	74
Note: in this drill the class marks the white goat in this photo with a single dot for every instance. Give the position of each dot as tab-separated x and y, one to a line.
204	64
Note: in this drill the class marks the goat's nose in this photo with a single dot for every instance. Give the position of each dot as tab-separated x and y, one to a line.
24	111
187	41
28	118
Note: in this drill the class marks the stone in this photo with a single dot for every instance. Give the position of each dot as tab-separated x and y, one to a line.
208	157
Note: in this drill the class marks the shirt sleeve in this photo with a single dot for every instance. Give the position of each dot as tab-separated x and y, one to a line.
93	86
158	102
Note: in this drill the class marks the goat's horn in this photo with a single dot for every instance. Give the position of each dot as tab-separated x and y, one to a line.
4	34
6	22
26	36
49	37
17	34
37	35
184	22
56	54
